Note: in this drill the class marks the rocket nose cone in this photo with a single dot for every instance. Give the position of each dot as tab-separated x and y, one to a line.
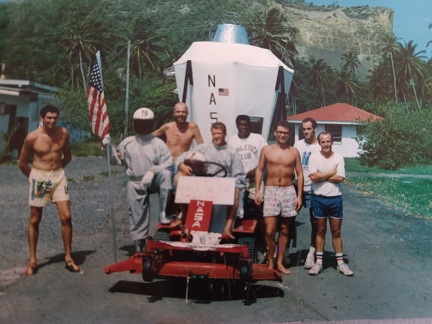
229	33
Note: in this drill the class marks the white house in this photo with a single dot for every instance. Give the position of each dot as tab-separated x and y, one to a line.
341	120
20	105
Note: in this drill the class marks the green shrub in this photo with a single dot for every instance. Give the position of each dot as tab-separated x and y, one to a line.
401	139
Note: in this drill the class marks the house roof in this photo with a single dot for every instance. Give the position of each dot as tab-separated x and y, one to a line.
18	87
339	113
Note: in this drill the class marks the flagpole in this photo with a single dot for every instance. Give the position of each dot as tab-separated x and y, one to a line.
127	89
114	234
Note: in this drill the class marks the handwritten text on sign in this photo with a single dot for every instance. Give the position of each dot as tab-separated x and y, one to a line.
220	191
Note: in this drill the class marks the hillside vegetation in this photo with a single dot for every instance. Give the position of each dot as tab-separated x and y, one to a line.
338	55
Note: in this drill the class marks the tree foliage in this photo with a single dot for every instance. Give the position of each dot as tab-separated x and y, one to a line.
54	42
401	139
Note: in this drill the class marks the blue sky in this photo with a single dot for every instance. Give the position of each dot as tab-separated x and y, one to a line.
411	18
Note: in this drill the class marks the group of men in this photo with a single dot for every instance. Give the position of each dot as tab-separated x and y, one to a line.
264	179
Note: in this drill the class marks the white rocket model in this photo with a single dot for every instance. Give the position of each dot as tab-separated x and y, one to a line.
221	79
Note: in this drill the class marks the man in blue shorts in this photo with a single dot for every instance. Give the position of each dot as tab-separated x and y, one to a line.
327	171
306	148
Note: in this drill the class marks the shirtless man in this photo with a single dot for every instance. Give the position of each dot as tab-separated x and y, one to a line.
279	160
179	133
51	152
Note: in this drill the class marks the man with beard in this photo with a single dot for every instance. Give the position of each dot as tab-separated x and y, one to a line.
179	133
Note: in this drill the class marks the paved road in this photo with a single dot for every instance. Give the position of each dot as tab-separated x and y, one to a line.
389	252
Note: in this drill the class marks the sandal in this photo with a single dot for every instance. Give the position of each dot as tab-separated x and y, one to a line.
71	266
31	269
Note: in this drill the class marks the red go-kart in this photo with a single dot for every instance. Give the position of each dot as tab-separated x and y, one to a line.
194	251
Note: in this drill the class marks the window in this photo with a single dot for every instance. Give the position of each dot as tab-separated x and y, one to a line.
256	124
335	130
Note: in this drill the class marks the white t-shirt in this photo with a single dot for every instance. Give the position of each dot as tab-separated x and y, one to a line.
305	151
249	150
318	163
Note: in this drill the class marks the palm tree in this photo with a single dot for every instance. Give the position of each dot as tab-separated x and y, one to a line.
81	42
350	61
378	88
409	67
430	42
319	79
346	85
270	30
389	47
146	50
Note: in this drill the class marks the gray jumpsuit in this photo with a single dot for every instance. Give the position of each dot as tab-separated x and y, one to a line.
139	155
229	158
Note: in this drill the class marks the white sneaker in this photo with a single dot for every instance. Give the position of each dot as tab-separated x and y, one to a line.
163	219
344	269
316	269
310	261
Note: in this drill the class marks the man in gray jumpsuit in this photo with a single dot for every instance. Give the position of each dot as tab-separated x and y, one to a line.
147	160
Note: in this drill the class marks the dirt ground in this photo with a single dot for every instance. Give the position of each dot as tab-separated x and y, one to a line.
389	252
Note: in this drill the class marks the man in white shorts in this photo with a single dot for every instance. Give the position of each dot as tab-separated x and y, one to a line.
47	181
279	160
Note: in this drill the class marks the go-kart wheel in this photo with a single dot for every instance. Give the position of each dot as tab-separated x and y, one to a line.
147	269
245	272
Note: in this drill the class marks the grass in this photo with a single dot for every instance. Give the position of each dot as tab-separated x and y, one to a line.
353	165
400	188
88	148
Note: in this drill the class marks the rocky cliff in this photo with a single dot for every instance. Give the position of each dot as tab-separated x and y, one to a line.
328	32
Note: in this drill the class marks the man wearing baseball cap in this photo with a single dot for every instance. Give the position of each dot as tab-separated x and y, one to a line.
147	160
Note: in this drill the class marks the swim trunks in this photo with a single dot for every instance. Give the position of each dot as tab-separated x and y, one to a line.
323	207
280	200
46	186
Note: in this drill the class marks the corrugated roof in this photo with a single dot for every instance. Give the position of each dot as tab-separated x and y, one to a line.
339	112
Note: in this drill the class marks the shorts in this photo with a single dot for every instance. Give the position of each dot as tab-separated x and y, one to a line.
46	186
323	207
280	200
307	199
173	170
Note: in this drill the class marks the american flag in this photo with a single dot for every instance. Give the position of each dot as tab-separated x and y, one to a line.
223	92
97	108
